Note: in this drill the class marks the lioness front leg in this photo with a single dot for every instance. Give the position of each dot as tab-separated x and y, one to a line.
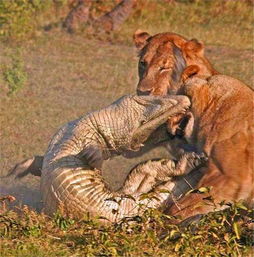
222	189
148	175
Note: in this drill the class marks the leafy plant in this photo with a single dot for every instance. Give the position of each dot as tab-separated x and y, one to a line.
14	74
19	19
62	222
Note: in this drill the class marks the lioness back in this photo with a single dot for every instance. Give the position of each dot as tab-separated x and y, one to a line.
223	111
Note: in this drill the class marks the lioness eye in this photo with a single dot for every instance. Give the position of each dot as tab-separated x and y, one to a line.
143	64
141	68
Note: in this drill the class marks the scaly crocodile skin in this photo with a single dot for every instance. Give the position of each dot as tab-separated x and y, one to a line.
71	173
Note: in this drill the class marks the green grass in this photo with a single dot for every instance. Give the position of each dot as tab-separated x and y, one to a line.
70	75
224	233
215	22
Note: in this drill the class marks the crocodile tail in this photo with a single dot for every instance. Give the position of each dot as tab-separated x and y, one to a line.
29	166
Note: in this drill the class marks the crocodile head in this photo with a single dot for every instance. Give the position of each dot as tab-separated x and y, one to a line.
128	122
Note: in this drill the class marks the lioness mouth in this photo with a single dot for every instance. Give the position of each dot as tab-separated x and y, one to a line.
182	127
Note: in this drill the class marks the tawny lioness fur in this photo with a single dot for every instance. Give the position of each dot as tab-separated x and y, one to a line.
221	114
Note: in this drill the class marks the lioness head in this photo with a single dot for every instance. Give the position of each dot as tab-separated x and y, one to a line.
166	59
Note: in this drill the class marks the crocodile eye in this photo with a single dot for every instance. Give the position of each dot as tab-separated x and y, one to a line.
142	122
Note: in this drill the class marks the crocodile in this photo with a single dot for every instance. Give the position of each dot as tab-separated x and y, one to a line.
71	177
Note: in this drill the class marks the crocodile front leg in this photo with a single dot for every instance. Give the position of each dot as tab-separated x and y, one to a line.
152	173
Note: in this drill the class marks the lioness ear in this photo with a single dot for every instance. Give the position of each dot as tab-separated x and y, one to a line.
190	71
195	46
140	38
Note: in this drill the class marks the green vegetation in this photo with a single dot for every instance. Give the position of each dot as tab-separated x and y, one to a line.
14	74
224	233
20	19
211	21
63	77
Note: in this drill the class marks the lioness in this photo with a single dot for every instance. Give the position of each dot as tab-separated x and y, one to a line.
221	118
